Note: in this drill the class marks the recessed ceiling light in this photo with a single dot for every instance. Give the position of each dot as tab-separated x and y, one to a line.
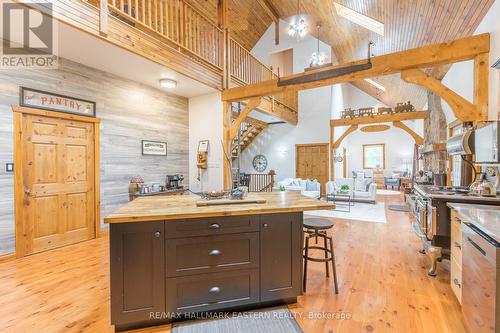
375	84
168	83
360	19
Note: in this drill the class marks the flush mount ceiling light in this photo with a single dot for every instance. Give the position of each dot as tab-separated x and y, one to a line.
298	27
360	19
168	83
375	84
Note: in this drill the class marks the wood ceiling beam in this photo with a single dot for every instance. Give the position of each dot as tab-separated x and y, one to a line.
383	118
251	105
272	13
418	139
344	135
422	57
462	108
271	107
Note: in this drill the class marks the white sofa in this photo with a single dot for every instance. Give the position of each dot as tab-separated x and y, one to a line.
300	185
364	192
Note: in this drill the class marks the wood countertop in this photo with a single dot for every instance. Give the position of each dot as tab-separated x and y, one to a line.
158	208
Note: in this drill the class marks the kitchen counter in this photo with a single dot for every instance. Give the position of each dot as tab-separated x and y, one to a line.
485	217
178	258
158	208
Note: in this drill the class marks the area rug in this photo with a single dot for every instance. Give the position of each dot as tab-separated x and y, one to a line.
276	319
387	192
399	208
359	212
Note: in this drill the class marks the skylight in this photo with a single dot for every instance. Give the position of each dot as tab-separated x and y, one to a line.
375	84
360	19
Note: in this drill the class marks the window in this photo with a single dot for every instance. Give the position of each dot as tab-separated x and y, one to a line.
374	156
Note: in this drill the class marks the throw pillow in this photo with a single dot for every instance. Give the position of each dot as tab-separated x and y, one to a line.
311	185
396	175
367	185
360	185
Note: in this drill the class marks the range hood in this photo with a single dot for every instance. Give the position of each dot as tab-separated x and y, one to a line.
461	144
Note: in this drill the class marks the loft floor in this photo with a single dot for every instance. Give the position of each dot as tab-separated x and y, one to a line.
383	283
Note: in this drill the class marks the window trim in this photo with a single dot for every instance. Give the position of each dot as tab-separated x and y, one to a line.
383	155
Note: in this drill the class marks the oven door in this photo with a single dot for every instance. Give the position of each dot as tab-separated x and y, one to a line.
421	208
431	230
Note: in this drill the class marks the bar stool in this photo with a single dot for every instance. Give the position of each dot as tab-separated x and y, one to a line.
316	227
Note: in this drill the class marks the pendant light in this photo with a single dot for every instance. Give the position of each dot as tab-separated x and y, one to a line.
298	28
317	58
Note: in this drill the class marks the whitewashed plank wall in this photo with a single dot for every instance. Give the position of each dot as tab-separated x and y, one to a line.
129	112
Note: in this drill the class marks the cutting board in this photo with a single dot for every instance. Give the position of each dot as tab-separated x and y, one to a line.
215	202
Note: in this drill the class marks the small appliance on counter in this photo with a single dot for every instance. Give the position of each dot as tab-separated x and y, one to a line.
174	182
482	187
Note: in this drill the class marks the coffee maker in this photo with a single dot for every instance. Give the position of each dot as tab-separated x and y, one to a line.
174	182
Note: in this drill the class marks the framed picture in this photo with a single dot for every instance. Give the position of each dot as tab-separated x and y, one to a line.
203	146
39	99
155	148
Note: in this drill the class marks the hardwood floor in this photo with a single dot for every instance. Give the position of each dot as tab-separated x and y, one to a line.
383	283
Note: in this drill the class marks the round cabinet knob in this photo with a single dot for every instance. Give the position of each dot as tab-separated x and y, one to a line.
214	252
455	281
215	226
265	225
157	234
214	290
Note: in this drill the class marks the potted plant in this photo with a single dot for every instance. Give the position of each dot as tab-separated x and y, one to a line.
344	188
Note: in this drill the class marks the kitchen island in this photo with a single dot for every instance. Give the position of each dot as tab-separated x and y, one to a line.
170	258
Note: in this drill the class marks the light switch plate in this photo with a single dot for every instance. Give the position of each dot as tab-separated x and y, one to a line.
9	167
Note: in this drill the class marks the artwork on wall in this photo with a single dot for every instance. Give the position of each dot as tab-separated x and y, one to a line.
54	102
155	148
371	111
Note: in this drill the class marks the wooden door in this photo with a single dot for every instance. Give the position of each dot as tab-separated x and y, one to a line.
281	256
58	206
311	162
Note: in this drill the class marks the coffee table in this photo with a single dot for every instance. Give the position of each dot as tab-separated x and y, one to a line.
341	199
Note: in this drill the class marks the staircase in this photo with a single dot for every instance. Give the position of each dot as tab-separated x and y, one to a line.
249	130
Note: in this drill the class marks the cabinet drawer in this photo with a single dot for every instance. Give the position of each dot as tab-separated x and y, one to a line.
207	254
211	226
456	279
456	238
207	292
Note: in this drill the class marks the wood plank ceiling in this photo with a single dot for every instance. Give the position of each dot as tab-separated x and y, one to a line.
408	24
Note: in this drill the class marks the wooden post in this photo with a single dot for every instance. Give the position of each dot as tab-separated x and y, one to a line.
344	162
332	153
481	76
226	143
103	18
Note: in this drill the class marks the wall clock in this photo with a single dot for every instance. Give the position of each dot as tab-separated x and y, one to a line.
259	163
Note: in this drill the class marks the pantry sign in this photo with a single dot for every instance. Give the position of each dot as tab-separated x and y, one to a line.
54	102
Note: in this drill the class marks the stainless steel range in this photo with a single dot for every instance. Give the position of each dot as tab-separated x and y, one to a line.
432	218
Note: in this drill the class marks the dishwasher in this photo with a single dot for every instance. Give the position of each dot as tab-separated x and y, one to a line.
480	295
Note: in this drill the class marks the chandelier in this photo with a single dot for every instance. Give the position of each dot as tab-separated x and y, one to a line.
298	28
317	58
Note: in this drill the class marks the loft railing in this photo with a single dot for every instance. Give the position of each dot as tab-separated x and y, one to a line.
178	22
192	32
247	69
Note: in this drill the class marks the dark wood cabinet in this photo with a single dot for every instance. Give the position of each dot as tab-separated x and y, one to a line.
137	260
281	256
203	264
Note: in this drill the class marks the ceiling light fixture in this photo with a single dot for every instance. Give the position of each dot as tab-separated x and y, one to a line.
375	84
360	19
317	58
298	28
168	83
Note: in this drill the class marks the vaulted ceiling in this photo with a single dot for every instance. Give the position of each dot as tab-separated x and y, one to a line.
408	24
